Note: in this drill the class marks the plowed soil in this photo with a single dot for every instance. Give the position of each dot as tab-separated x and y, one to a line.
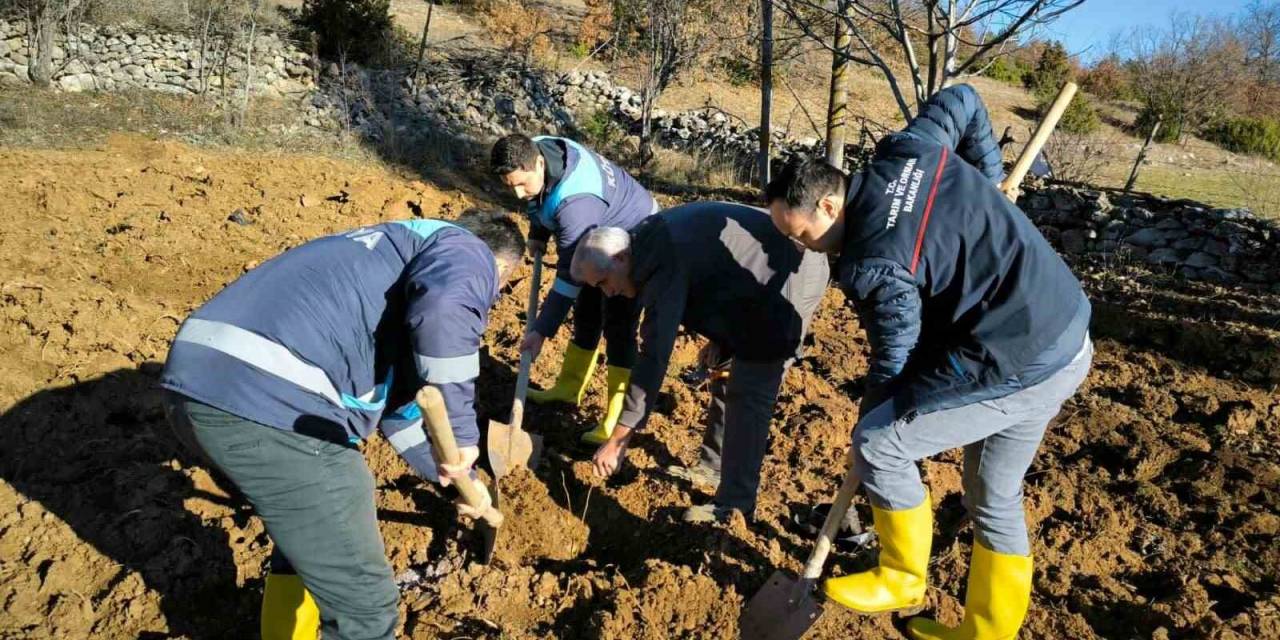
1154	502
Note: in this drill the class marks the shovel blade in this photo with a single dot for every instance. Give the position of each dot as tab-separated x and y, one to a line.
783	609
488	534
510	447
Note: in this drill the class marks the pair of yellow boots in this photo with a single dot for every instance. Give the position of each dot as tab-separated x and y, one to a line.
996	602
579	365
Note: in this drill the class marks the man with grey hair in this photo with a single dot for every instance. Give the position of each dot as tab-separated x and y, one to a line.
724	272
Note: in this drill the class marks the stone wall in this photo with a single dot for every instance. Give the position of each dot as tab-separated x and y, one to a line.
121	58
708	131
1227	246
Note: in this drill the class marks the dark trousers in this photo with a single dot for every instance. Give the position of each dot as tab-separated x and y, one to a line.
737	434
737	430
316	499
595	314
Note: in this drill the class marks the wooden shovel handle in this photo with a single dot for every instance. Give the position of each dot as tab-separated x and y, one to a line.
436	419
844	497
526	359
1029	153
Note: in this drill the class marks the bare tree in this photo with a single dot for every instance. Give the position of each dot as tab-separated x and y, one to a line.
838	96
935	41
766	87
1259	28
422	45
44	17
671	35
1186	73
251	40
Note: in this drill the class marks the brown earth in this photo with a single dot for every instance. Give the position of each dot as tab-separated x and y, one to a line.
1153	506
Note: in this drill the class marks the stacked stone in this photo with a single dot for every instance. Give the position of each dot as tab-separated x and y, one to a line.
708	131
114	58
1227	246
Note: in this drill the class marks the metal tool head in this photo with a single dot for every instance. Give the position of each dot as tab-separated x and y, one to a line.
510	447
783	609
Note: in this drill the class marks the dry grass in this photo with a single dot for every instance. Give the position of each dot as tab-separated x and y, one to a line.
43	119
677	169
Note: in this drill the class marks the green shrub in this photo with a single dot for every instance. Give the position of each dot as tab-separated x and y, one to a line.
1053	70
1080	117
1170	128
1009	70
740	72
601	130
359	30
1257	136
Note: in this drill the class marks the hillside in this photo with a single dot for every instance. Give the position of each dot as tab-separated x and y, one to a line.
1154	503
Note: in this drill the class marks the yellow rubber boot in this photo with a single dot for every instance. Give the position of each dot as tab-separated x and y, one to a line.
615	394
579	365
288	610
995	604
899	582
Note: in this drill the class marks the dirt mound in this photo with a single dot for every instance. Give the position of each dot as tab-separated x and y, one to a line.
673	602
1153	504
536	527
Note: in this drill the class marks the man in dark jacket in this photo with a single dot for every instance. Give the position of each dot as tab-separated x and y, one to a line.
725	273
978	331
278	377
571	189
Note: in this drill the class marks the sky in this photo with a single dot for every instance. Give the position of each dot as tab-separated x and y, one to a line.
1088	30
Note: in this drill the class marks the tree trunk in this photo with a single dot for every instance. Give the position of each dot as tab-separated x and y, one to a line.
838	97
932	41
248	62
766	86
1142	155
40	65
646	127
952	47
422	46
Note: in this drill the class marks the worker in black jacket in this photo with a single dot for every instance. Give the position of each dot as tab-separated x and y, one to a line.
978	332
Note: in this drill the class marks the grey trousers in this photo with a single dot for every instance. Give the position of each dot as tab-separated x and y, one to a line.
1000	439
316	499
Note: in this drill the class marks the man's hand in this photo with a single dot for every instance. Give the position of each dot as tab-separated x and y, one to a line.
532	343
537	247
451	472
475	513
610	455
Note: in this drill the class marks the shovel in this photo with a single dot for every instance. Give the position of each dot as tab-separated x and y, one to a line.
509	445
1010	185
441	432
785	607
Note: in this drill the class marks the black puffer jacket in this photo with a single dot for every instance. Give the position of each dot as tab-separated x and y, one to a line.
961	296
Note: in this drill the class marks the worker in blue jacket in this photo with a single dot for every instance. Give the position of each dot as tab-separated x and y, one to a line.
978	332
571	189
278	378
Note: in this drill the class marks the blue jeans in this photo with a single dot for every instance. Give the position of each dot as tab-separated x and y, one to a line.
1000	439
